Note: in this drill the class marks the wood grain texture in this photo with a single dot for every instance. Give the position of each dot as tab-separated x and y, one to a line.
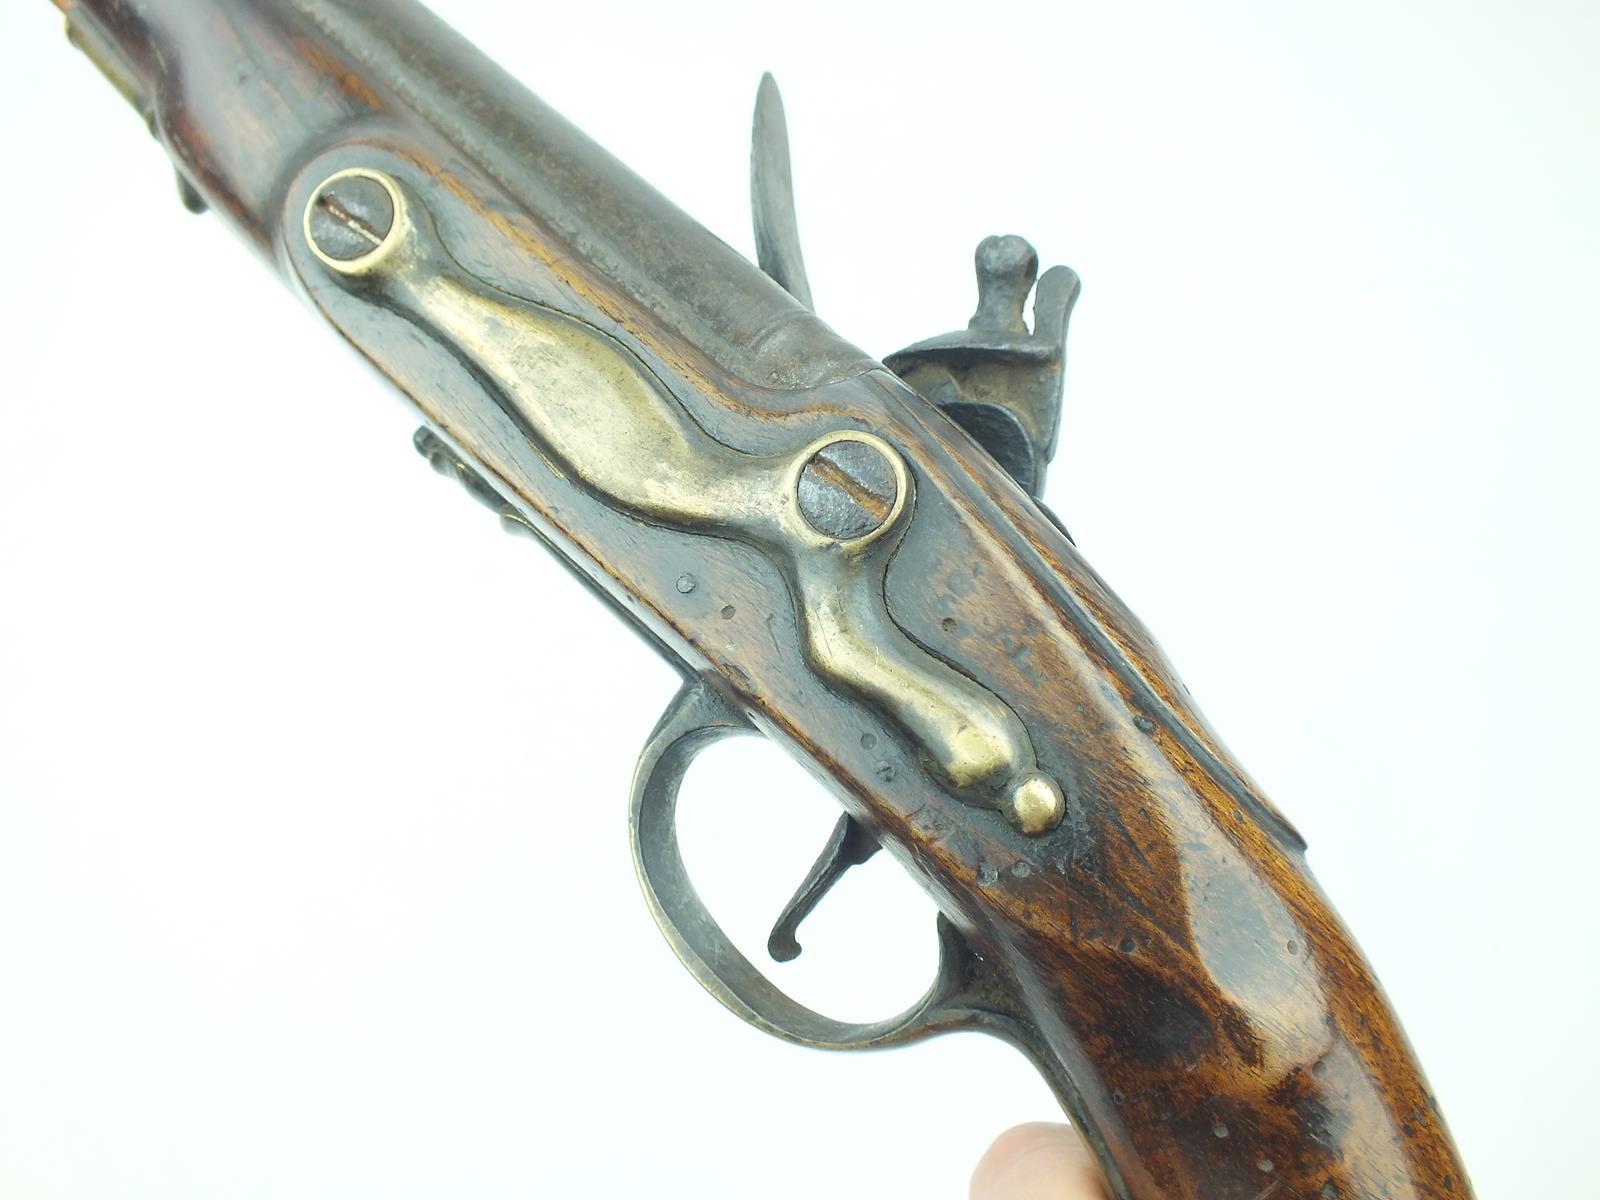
1171	964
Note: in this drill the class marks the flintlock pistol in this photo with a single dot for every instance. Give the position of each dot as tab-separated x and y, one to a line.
847	556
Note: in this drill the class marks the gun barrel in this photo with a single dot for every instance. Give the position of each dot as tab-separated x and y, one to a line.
244	92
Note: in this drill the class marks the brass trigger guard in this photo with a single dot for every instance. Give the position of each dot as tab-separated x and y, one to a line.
698	717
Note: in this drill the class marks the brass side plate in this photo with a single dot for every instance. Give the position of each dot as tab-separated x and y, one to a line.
829	514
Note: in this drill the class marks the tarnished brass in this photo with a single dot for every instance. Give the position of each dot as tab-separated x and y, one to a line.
599	417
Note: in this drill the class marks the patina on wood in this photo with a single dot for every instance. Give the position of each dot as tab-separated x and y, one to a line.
1162	952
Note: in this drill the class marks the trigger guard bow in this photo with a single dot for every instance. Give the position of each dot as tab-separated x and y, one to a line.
697	717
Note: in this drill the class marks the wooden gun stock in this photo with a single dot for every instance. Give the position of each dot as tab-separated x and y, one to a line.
833	562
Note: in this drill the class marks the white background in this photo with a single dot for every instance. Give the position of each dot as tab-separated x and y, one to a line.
313	868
